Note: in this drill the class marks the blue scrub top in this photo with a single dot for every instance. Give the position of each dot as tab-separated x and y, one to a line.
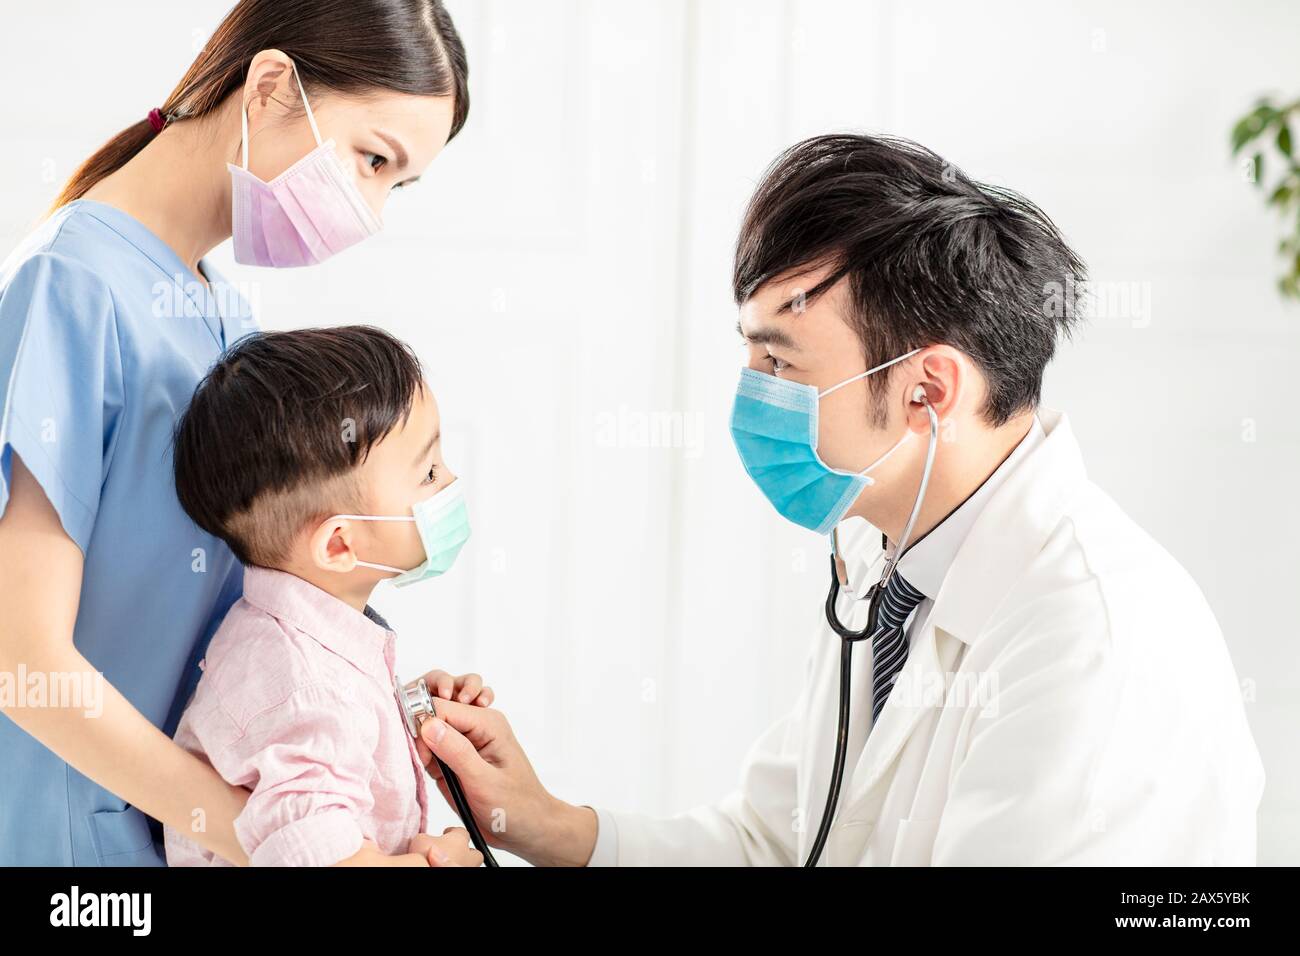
104	334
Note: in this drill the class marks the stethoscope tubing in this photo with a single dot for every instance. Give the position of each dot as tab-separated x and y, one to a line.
850	637
466	815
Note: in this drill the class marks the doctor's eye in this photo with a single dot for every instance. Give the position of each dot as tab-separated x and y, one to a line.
777	364
432	476
375	161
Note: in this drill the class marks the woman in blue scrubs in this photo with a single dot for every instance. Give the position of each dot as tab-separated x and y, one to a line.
109	316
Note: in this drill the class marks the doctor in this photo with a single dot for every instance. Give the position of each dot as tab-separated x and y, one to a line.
1042	683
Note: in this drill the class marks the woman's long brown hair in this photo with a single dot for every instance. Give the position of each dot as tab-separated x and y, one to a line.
347	46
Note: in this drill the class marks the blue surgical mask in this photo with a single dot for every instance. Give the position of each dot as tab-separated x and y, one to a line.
774	425
443	524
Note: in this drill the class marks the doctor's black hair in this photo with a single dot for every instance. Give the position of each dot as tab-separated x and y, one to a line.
931	257
277	428
346	46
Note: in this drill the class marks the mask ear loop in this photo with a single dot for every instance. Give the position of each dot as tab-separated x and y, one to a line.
307	106
243	136
839	561
881	460
870	371
379	567
243	121
835	535
368	564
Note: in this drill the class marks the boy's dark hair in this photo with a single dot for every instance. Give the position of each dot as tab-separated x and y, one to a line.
931	257
276	429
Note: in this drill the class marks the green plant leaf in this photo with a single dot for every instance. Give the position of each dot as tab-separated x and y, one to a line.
1240	136
1282	194
1252	125
1285	194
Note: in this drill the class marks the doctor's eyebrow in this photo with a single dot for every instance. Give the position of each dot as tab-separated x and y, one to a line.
768	335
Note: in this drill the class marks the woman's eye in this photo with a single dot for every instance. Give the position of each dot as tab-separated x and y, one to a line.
375	161
432	476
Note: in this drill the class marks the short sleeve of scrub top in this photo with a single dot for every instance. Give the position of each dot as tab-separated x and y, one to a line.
104	334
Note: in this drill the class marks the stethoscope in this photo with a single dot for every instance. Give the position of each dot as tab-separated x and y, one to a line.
849	637
416	704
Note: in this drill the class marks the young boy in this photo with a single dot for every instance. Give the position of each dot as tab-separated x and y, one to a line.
315	455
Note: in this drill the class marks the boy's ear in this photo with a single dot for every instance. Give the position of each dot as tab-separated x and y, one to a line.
331	546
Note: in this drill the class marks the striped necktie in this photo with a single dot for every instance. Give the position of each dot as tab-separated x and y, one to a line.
889	643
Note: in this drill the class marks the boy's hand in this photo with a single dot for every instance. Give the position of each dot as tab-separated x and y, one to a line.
453	848
467	688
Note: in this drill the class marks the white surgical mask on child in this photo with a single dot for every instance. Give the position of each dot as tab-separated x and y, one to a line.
443	523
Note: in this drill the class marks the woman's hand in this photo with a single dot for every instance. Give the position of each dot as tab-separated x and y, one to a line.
512	808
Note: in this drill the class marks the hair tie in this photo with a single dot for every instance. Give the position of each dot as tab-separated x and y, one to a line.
156	120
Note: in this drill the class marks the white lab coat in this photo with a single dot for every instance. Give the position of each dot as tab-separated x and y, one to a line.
1070	700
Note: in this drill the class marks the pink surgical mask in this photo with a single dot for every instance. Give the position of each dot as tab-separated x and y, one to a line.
303	216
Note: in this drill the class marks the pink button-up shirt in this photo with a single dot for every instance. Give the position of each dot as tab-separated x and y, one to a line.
296	704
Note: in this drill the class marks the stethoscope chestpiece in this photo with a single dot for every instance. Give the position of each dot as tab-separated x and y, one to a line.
416	704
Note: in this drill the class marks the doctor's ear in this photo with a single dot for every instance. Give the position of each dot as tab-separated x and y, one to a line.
331	546
942	374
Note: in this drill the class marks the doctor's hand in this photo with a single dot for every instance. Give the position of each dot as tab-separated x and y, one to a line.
467	688
512	808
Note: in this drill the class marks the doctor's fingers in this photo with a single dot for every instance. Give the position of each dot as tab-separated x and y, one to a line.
441	684
486	729
426	757
468	687
452	747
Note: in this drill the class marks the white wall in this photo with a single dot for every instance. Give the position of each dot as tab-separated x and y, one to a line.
563	270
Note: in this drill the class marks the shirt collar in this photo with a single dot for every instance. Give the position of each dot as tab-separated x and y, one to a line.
926	564
363	639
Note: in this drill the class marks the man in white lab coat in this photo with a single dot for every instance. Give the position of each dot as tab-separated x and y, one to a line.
1042	682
